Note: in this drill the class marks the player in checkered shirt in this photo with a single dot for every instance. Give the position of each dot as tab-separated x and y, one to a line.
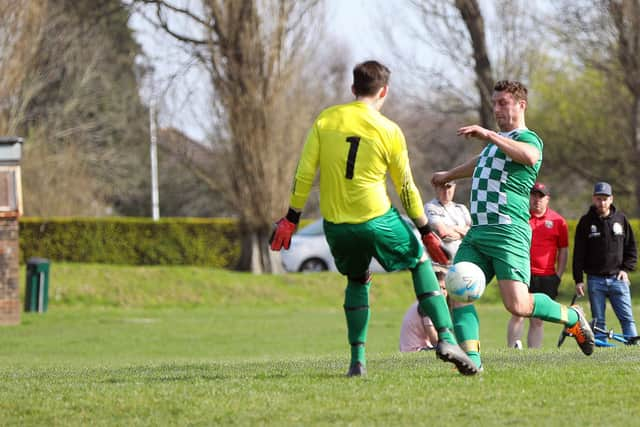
500	236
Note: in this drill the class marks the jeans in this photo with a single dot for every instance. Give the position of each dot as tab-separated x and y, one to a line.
619	293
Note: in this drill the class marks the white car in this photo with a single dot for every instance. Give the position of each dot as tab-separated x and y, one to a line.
309	251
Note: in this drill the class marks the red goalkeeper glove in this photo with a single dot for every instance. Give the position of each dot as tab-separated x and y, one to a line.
434	246
281	236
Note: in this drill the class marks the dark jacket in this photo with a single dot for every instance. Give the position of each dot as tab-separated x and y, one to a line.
603	246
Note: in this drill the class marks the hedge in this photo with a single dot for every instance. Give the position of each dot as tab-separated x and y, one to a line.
133	241
142	241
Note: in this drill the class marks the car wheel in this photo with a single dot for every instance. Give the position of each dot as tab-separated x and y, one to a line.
313	264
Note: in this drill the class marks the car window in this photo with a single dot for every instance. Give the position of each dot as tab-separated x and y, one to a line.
313	229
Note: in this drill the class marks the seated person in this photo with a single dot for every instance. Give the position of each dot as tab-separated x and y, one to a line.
417	332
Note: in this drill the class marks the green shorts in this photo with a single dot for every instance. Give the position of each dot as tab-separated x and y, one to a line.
499	250
387	238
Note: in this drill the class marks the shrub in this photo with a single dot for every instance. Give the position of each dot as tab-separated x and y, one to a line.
133	241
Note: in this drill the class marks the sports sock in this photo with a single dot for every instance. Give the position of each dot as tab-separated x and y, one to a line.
467	327
547	309
356	310
431	302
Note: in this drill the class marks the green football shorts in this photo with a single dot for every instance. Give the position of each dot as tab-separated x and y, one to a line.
387	238
499	250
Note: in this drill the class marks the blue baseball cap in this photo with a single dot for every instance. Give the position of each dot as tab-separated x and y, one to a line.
602	188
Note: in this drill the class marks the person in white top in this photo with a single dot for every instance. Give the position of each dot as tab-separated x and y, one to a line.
417	332
451	221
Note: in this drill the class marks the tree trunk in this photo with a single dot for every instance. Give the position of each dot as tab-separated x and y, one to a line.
472	17
255	255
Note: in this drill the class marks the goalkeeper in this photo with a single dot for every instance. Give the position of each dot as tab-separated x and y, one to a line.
500	235
354	146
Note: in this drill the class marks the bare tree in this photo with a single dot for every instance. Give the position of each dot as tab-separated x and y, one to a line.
20	27
478	47
605	35
256	54
69	86
473	20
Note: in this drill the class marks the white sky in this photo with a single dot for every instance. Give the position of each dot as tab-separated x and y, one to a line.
359	24
355	23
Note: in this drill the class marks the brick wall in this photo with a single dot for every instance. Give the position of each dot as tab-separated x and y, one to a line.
10	307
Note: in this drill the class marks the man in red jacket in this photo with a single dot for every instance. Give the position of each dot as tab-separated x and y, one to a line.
549	253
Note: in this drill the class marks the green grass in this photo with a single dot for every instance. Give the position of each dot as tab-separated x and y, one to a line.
197	346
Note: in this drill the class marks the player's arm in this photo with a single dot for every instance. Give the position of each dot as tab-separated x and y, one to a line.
437	252
521	152
400	172
306	170
464	170
302	182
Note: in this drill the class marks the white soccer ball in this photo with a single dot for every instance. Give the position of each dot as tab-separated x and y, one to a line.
465	281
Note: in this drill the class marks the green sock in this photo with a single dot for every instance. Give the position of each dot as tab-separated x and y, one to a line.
467	327
358	355
547	309
435	306
356	310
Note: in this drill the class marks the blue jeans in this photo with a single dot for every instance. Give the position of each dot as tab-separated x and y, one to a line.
619	293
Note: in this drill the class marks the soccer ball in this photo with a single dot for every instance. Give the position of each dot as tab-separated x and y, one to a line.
465	281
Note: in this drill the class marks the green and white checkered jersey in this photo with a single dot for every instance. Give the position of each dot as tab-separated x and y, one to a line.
500	186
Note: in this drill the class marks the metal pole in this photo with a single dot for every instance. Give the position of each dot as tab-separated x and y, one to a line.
155	204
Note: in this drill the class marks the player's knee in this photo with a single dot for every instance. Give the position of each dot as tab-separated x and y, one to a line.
421	261
519	308
356	295
363	278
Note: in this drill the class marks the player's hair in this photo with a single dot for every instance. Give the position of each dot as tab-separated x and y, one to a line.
369	77
515	88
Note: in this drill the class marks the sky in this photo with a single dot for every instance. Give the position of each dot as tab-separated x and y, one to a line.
352	22
361	25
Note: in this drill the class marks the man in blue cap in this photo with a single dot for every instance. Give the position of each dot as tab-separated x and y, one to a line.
605	249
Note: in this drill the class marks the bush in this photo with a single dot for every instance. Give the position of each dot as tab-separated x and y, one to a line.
142	241
132	241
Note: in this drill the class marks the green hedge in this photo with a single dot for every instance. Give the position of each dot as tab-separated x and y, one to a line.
142	241
133	241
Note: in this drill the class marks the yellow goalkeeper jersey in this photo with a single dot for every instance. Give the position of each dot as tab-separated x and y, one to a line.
354	146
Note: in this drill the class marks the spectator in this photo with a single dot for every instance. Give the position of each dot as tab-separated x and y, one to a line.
605	249
449	219
549	253
417	332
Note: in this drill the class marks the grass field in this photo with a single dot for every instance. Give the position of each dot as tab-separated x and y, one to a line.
196	346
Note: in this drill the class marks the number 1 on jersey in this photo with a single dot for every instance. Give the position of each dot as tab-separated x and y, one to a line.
354	141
